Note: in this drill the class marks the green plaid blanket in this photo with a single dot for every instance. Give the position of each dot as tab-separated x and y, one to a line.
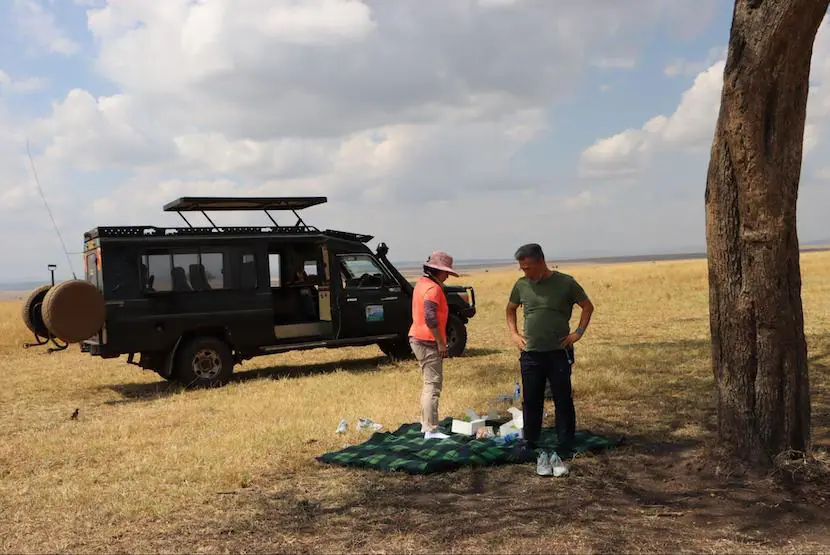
406	450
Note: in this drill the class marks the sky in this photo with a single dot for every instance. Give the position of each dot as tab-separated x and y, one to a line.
470	126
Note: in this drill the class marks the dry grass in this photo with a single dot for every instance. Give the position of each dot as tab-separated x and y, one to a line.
147	467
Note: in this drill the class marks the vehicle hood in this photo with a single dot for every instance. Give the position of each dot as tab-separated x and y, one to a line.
450	288
455	288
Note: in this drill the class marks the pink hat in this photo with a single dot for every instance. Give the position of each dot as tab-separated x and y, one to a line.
441	261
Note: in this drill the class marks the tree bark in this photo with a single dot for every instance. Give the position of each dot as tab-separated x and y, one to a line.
759	352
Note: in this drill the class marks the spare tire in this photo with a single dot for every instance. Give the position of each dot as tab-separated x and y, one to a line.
74	310
32	314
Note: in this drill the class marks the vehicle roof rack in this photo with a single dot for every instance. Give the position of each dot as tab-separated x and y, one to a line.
199	204
225	204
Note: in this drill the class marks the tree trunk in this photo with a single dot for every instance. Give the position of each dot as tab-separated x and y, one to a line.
759	353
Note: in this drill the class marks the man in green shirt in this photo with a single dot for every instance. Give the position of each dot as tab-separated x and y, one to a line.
546	344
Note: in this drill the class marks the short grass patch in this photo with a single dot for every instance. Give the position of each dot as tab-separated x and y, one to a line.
148	467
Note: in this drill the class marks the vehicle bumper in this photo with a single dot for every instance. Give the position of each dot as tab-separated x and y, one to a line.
96	349
468	312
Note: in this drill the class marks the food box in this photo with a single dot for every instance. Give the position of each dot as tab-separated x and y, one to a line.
518	416
515	426
467	428
510	428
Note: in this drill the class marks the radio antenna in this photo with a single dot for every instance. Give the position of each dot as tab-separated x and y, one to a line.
48	210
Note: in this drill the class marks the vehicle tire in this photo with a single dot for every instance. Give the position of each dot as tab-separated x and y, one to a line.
456	336
74	310
32	313
397	349
203	362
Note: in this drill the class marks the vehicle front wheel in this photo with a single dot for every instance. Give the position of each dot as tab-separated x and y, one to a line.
456	336
204	362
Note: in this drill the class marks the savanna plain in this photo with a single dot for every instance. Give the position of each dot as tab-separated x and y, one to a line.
147	467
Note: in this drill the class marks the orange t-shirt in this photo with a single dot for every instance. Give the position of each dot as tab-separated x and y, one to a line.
428	290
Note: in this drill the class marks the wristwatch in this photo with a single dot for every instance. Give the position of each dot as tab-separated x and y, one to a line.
580	331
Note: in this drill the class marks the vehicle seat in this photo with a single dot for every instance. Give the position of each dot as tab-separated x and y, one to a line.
179	279
198	278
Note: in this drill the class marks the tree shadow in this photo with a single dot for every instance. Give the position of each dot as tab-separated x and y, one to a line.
656	491
156	390
354	366
618	500
473	352
150	391
680	344
141	391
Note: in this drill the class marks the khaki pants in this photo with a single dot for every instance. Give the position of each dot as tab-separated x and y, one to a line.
432	366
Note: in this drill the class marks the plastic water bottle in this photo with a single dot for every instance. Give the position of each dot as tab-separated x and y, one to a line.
501	440
517	393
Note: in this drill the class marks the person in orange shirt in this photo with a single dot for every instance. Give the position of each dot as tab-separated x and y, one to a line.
428	335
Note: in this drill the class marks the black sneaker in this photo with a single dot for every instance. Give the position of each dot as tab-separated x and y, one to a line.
523	452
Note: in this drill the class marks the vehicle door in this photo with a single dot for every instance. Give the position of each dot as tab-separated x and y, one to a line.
371	301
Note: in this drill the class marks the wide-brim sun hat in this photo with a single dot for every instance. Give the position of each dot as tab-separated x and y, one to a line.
442	261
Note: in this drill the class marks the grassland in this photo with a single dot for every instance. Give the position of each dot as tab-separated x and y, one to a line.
147	467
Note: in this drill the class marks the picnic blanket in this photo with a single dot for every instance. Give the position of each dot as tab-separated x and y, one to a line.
406	450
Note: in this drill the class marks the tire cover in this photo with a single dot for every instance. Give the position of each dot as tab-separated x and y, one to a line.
74	310
34	318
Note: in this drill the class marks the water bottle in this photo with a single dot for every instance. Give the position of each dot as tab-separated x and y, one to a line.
501	440
517	393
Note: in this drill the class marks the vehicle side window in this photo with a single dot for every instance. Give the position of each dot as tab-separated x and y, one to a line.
274	265
248	275
310	268
159	268
91	266
214	270
311	272
183	271
361	271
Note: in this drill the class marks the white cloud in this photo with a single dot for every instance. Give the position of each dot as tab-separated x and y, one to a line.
38	25
811	137
618	62
583	200
498	3
102	133
388	108
691	126
680	67
226	85
21	86
352	65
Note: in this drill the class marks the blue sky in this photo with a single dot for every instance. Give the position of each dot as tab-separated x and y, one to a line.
505	121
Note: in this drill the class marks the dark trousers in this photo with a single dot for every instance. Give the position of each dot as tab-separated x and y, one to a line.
553	367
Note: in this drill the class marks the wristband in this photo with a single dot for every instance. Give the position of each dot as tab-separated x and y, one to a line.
580	331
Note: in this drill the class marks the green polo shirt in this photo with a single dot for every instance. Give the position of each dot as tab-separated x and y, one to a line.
547	306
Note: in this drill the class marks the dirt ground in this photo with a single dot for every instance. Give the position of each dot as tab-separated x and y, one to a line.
149	468
643	496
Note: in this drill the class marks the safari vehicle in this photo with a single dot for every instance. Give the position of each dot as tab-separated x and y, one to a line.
191	302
